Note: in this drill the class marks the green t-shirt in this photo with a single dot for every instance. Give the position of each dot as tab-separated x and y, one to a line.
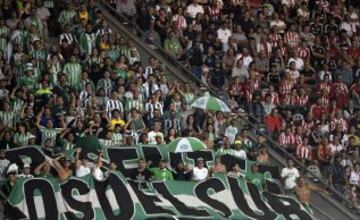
258	179
162	174
29	82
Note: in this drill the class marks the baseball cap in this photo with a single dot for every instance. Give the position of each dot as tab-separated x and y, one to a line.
200	159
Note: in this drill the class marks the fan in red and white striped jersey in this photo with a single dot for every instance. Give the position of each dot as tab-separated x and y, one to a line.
304	150
291	37
287	138
338	120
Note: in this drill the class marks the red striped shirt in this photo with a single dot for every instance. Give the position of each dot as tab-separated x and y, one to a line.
292	39
334	122
274	39
303	152
285	139
303	52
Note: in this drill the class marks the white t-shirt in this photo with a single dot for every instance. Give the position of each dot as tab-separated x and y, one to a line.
246	59
193	10
98	174
223	35
199	174
152	136
322	74
347	27
354	178
280	24
241	154
230	133
82	171
290	176
299	63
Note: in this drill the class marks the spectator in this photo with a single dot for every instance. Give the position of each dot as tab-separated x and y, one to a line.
303	192
219	167
235	171
161	172
97	173
238	151
337	177
4	163
289	174
142	173
81	165
199	172
256	178
173	46
182	172
26	172
273	121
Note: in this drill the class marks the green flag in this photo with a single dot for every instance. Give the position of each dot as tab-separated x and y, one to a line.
90	143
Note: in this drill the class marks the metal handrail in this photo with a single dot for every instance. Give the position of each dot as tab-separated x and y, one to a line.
189	74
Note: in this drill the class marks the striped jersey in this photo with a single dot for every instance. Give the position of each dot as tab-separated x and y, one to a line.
303	152
8	118
134	103
66	17
73	72
114	104
106	84
285	139
48	3
223	151
19	37
22	139
149	107
4	33
106	143
49	133
40	57
117	138
17	105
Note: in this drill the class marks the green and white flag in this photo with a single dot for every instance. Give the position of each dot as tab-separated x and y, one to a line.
219	197
117	197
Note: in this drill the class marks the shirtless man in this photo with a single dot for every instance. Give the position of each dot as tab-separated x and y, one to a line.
219	167
303	192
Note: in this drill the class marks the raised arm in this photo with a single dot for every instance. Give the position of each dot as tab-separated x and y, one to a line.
98	160
77	158
38	169
56	163
38	118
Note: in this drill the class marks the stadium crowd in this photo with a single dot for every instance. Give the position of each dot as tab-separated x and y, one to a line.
293	65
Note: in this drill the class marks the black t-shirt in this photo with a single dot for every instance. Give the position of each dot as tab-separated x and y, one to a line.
273	78
141	175
307	72
337	172
351	149
316	29
182	175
